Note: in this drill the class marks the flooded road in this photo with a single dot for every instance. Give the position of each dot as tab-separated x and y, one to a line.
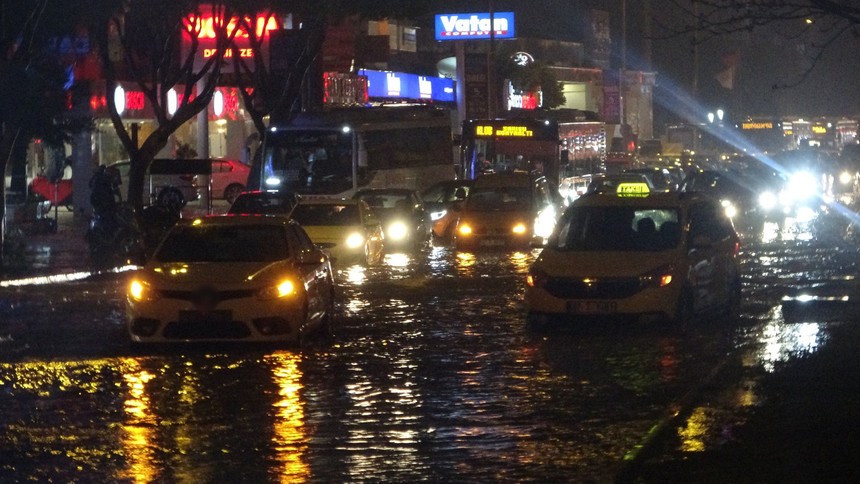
430	375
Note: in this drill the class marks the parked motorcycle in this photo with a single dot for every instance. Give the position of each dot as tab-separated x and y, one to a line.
114	236
156	220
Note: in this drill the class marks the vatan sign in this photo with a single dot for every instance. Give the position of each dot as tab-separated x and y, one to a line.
472	26
206	27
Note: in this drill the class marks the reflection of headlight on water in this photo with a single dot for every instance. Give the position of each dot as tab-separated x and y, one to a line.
397	231
729	208
354	240
273	181
434	216
767	201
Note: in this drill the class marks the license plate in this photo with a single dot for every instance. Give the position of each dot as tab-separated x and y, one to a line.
592	307
220	316
492	242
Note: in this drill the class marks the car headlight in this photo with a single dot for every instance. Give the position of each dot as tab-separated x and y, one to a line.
464	229
729	208
802	185
434	216
659	277
545	223
767	200
846	178
281	289
142	291
397	231
354	240
519	229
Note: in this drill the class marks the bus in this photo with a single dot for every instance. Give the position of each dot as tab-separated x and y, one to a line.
561	148
338	151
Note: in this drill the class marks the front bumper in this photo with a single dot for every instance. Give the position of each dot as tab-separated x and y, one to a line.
178	319
651	302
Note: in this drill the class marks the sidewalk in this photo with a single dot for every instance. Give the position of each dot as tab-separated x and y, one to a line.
49	254
65	251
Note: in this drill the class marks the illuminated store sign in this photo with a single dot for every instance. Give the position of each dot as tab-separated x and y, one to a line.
507	131
470	26
757	125
205	28
401	85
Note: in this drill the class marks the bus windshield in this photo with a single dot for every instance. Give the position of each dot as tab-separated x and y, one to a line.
308	161
335	152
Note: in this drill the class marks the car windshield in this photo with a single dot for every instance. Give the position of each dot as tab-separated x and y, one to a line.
617	229
499	198
224	243
262	204
326	214
386	200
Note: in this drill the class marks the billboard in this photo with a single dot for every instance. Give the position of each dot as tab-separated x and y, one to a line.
402	85
472	26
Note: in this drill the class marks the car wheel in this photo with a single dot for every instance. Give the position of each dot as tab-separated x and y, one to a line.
233	191
170	197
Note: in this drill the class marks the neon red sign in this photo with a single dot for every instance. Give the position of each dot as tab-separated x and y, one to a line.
207	26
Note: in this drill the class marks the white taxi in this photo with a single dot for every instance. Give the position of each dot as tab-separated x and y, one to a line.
633	254
231	278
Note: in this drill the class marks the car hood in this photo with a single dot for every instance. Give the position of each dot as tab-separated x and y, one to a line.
218	274
602	263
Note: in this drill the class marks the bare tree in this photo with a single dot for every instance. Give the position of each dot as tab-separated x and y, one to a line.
816	23
142	41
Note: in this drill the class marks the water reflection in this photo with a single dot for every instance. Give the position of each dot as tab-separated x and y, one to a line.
780	341
288	436
138	432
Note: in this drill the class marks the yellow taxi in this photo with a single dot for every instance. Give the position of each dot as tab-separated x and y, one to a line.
506	210
347	230
634	254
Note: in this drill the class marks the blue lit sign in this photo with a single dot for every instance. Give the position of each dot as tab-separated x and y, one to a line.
470	26
387	84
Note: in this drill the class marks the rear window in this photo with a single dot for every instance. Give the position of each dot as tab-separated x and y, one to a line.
617	229
262	204
500	199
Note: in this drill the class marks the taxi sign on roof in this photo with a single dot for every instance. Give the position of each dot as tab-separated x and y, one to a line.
636	189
